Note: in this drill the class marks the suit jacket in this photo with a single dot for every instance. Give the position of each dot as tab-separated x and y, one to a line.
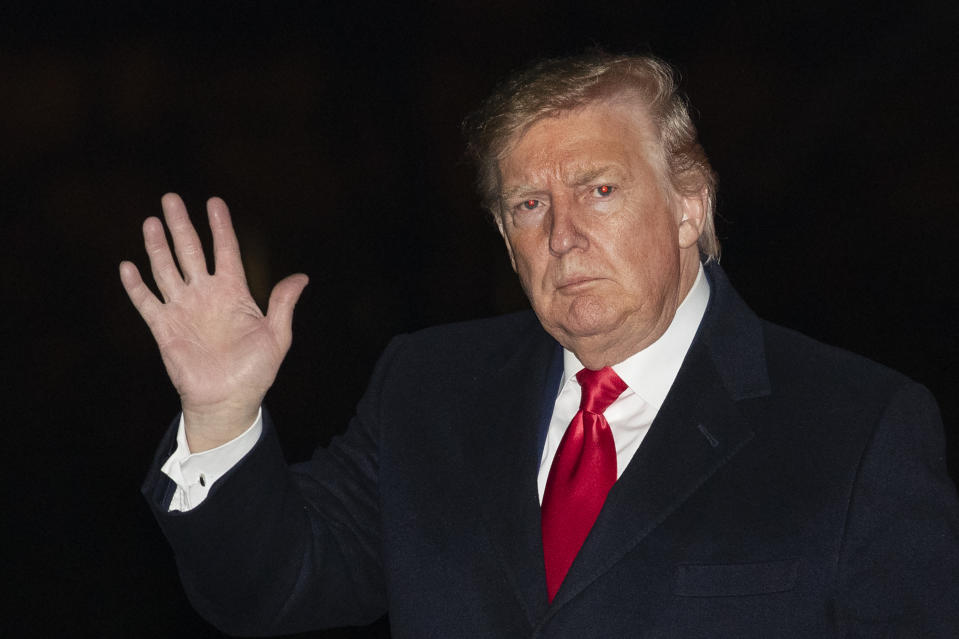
785	489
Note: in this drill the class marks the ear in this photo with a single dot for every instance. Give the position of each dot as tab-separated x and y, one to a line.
692	210
502	232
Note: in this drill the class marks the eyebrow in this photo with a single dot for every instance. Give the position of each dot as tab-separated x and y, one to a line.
588	175
522	189
580	177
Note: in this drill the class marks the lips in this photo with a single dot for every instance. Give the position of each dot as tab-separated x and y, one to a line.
572	283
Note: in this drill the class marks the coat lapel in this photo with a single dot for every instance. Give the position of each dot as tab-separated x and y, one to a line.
502	454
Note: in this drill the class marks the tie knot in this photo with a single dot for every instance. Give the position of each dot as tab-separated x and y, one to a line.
599	389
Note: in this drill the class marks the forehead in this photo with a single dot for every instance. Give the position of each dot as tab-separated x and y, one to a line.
613	133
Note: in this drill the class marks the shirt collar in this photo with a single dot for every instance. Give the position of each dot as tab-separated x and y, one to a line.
650	372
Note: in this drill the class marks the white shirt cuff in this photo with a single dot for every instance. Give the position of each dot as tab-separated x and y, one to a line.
195	473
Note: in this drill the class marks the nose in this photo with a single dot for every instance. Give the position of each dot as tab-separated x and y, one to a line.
565	233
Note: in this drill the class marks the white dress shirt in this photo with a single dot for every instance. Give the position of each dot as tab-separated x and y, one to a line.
648	375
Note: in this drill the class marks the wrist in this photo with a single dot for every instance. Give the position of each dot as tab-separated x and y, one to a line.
208	429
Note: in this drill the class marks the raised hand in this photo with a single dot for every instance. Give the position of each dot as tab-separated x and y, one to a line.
221	353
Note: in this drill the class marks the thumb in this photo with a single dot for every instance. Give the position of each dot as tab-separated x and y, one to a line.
279	312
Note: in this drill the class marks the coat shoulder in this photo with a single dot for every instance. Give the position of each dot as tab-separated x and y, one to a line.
835	377
487	341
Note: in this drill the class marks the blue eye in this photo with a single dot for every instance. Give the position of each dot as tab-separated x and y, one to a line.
604	190
529	205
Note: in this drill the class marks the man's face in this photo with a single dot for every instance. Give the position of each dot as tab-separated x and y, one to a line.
595	233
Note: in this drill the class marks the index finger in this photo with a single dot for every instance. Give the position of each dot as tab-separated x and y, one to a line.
226	248
142	297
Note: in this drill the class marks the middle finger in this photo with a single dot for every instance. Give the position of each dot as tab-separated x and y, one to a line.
186	242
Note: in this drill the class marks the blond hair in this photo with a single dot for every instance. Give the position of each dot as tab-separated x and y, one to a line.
550	87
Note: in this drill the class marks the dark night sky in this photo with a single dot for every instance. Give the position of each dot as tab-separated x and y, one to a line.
332	131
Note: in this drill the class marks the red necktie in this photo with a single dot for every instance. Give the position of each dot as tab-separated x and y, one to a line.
583	471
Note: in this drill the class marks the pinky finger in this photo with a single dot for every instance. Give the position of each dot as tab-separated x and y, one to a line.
139	293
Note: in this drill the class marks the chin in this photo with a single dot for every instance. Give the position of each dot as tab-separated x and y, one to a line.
588	316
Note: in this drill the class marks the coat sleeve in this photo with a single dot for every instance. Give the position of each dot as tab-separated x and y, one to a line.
899	562
279	549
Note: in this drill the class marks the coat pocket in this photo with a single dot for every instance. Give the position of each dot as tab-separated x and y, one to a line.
735	580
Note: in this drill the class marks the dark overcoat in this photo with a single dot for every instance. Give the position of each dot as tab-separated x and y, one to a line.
785	489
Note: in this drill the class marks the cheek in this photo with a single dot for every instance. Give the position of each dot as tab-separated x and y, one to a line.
526	272
536	283
527	260
650	260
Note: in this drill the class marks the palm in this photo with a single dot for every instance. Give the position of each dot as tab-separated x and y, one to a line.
215	341
220	351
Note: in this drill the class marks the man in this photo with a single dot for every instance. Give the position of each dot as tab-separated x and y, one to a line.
641	457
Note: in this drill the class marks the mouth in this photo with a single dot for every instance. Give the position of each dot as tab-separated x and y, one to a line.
573	284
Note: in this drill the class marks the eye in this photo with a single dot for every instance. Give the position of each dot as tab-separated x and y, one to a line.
529	205
604	190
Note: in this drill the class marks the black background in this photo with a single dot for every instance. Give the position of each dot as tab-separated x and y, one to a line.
332	131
